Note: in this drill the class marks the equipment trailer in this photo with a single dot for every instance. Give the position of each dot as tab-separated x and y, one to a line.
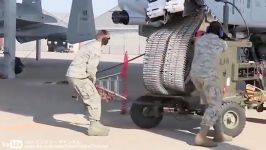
147	111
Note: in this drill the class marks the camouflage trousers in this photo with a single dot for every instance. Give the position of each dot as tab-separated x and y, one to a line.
210	93
90	97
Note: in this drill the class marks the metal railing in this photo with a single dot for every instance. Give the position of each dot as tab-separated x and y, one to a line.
110	85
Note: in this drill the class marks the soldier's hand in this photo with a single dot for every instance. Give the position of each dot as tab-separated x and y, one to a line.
107	97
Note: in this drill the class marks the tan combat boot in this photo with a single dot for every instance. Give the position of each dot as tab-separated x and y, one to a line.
204	141
201	138
97	129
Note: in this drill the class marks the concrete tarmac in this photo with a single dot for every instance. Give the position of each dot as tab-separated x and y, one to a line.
37	115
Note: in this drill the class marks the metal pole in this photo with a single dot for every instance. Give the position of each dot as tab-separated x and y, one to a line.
108	83
139	44
10	37
116	85
226	17
110	48
124	46
38	50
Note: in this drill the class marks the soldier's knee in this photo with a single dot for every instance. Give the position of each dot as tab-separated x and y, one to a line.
215	111
94	98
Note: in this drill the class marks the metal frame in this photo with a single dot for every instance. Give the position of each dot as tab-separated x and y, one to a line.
10	37
110	84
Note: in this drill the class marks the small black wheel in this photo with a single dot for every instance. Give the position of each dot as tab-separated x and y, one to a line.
260	108
233	119
145	116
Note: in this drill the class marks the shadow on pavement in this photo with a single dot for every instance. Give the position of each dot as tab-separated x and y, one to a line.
182	128
28	96
256	120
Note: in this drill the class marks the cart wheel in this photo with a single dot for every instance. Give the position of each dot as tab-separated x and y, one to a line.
143	116
260	108
233	119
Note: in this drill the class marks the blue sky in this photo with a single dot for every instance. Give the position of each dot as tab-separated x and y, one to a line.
63	6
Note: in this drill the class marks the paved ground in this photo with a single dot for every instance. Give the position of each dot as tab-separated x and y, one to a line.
36	115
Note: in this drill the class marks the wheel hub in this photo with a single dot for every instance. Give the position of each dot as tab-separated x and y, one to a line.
147	112
230	119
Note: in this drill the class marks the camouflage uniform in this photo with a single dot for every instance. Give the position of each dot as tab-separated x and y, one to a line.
204	75
82	76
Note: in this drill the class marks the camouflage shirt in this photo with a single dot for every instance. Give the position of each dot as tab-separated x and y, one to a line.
86	61
208	50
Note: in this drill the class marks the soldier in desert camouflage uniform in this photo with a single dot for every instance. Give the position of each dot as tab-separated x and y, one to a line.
82	76
204	75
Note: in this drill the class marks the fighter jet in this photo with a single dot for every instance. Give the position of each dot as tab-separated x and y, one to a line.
26	21
33	23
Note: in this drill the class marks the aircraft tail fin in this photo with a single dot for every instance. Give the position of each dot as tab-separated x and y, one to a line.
81	26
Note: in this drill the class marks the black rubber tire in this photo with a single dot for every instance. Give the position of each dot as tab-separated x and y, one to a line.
235	108
260	108
146	122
